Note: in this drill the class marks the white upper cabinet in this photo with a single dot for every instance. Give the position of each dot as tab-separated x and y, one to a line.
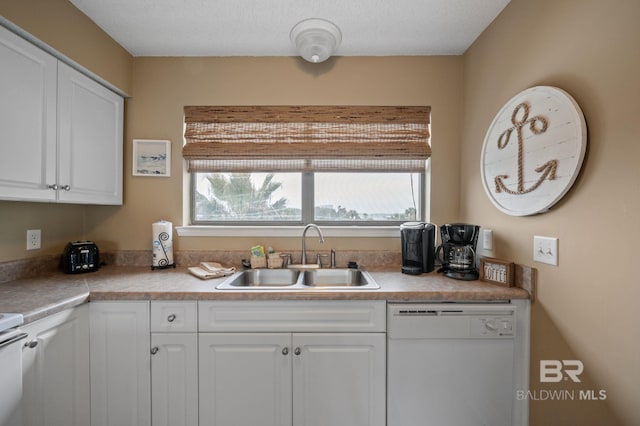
60	131
89	140
27	120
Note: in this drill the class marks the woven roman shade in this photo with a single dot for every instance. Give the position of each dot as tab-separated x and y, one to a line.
306	138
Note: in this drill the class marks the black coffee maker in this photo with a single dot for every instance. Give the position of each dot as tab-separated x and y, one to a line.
457	253
418	247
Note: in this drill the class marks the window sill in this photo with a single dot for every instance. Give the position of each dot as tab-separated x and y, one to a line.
286	231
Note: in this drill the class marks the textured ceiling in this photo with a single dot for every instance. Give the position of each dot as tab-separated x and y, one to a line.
261	27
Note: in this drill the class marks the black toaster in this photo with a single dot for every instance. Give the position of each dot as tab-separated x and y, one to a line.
80	256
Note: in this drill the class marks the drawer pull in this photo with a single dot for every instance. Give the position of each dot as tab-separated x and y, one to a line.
31	344
171	318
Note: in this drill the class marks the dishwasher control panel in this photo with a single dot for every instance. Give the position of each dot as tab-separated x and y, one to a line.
493	326
451	321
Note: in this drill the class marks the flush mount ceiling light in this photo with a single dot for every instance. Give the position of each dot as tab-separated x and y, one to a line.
315	39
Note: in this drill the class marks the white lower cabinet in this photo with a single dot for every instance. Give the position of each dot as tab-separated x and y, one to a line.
304	379
120	370
189	364
294	378
245	379
174	379
55	367
174	363
339	379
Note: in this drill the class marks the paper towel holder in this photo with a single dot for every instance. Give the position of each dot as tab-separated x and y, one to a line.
162	237
171	265
163	263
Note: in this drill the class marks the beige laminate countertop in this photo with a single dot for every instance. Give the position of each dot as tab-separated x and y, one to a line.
38	297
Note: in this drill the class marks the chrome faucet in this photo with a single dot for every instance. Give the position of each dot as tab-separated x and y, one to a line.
303	260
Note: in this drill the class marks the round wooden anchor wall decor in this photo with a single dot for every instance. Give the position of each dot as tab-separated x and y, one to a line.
533	151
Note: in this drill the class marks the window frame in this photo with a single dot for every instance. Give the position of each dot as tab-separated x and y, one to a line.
308	206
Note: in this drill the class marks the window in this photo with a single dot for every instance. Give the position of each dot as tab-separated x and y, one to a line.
297	165
365	198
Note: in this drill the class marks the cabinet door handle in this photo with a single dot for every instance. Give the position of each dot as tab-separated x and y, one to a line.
285	351
171	318
31	344
154	350
297	351
66	188
55	187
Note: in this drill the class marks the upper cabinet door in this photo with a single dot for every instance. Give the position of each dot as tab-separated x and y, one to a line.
27	120
90	119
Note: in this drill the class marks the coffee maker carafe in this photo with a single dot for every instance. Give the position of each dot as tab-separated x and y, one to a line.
457	253
418	247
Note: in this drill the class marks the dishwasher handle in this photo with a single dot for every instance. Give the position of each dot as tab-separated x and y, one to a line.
13	339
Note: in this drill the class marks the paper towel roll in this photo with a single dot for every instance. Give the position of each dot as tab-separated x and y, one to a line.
162	243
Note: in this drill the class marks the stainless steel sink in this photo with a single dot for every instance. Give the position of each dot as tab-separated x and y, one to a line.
291	279
339	278
262	279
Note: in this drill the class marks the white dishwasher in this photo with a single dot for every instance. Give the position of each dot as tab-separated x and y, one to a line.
11	369
457	364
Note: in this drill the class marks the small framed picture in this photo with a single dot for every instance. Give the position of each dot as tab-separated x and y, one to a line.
151	158
496	271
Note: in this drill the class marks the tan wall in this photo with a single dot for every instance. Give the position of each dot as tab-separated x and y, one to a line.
63	27
586	307
162	86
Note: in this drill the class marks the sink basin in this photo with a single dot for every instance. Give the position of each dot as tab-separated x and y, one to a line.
262	279
291	279
339	278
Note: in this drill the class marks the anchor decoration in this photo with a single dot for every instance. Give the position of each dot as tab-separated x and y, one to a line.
537	125
533	151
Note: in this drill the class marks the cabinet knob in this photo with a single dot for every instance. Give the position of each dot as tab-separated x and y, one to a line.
31	344
66	188
285	351
171	318
54	187
297	351
154	350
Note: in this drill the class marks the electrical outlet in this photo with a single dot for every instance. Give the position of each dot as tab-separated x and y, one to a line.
545	250
33	239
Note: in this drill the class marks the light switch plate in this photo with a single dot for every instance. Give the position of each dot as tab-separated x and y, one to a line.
487	239
545	250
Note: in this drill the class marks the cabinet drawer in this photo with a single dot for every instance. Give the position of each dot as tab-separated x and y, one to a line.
291	316
174	317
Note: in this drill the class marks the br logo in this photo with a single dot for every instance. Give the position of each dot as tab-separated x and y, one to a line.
555	370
